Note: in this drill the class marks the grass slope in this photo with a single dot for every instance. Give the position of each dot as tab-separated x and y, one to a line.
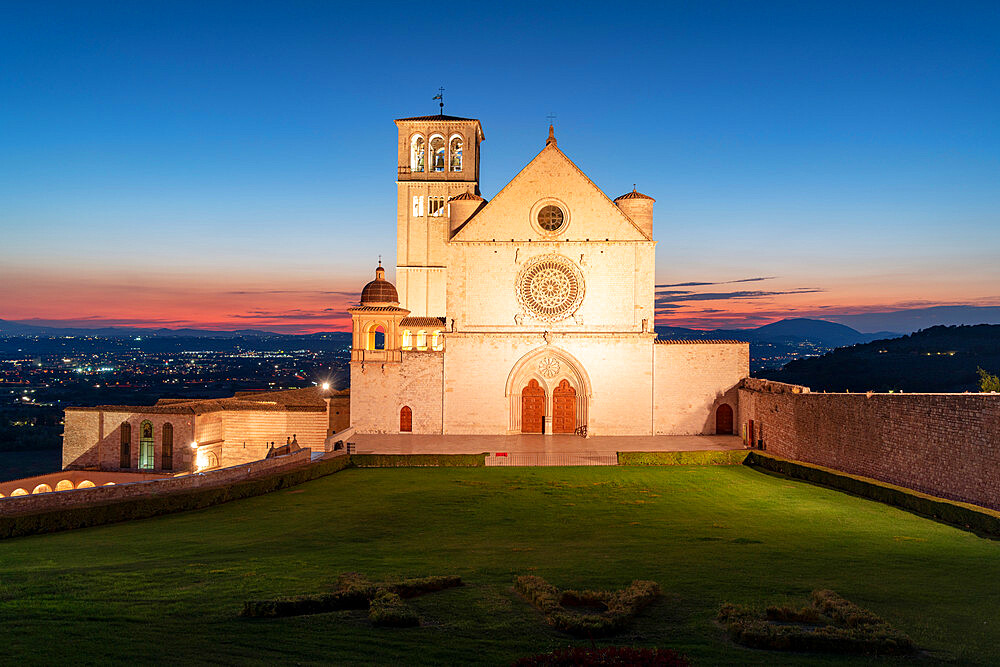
169	589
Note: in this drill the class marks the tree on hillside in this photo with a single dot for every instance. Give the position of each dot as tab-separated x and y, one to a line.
988	382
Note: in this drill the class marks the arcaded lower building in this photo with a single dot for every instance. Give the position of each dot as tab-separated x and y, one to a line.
532	312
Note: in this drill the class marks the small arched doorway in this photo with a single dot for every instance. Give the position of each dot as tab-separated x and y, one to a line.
724	420
533	408
406	419
564	408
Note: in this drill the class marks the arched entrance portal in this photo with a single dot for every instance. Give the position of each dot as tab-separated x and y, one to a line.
548	391
533	408
724	420
564	408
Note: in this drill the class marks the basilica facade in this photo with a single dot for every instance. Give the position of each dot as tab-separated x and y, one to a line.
532	312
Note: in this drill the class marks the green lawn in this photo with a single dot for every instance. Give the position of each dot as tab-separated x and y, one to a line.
168	589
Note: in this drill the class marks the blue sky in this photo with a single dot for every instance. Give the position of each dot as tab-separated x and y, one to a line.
157	155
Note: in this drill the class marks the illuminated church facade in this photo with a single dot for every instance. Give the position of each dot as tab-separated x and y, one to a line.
532	312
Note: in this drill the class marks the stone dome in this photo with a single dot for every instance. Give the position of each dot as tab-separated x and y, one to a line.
633	195
379	290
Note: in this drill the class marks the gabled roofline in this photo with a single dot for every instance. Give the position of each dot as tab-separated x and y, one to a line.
549	147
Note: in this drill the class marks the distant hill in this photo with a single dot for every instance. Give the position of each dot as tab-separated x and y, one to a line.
821	332
775	344
11	328
938	359
909	320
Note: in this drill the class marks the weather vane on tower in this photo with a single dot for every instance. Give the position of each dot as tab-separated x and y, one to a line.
440	98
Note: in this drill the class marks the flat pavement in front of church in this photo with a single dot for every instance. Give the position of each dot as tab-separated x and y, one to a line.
407	443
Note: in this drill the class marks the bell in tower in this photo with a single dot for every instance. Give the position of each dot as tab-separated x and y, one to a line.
438	158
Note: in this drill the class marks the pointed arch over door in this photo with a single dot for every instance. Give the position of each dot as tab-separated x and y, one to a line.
724	420
405	419
532	408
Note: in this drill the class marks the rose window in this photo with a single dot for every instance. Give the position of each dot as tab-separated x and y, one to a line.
550	287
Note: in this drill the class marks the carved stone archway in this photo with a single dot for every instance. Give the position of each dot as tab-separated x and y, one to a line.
551	368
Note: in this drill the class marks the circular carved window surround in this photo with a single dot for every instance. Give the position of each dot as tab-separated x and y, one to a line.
550	287
536	209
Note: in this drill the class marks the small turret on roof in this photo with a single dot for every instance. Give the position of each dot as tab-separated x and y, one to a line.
380	290
639	208
634	195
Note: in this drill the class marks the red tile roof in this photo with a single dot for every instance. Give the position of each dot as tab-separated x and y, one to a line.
634	195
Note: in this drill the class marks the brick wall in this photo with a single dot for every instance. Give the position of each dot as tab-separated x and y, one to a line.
947	445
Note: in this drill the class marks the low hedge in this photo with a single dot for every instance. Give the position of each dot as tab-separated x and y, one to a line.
353	592
144	507
697	458
619	607
580	656
979	520
418	460
833	625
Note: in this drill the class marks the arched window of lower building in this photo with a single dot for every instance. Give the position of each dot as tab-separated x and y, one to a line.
64	485
437	341
42	488
407	339
211	460
18	492
125	451
167	448
724	420
85	484
376	337
421	340
406	419
146	446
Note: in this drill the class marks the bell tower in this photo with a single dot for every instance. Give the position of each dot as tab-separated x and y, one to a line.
438	160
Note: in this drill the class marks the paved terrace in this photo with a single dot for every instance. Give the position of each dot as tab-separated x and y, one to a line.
541	449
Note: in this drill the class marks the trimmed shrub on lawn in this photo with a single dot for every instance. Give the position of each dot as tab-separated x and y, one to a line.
729	457
833	625
389	609
354	591
587	613
608	655
979	520
418	460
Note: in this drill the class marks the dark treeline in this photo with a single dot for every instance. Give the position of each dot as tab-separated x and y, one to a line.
938	359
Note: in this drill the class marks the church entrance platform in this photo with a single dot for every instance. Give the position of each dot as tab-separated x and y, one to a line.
541	450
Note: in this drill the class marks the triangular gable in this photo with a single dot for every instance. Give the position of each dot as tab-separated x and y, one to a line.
550	174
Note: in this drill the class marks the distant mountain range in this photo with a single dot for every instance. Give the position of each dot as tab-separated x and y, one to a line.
11	328
938	359
791	330
914	319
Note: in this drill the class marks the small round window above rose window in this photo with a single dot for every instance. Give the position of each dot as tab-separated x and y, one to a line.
550	218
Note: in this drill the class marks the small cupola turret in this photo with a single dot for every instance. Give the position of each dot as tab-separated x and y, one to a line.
379	291
462	207
639	208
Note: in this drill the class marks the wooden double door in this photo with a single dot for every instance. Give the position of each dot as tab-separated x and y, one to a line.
533	408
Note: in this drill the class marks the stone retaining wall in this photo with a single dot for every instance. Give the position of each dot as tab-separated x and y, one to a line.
947	445
102	495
